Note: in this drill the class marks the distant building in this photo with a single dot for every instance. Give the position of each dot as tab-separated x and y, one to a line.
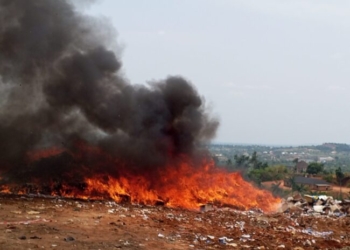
312	183
220	157
301	167
326	159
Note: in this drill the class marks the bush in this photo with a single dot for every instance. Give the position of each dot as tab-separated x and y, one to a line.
271	173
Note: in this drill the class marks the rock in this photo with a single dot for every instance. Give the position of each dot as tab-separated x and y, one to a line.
308	243
111	211
281	246
290	199
211	237
161	235
69	238
232	244
35	237
33	212
222	240
298	204
23	237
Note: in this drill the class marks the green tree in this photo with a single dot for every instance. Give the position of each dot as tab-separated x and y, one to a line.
242	160
339	175
270	173
295	161
255	163
314	168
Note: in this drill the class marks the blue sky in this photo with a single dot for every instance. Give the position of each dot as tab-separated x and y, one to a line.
274	72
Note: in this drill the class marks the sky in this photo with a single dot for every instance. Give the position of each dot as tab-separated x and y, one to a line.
274	72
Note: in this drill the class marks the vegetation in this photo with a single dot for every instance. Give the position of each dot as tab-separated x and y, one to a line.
263	163
269	173
339	175
330	155
315	168
256	170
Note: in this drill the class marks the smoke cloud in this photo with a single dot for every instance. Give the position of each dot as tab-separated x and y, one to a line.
61	83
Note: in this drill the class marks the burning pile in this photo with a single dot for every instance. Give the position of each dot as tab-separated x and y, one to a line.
71	122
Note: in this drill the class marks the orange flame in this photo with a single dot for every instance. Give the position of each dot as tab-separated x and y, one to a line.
186	186
183	184
43	153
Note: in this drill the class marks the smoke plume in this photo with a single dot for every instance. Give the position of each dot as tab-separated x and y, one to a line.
61	83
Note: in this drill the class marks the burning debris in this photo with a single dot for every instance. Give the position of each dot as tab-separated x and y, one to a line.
181	185
72	125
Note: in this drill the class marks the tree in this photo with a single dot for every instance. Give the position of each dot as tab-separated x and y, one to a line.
242	160
314	168
339	175
256	164
295	161
270	173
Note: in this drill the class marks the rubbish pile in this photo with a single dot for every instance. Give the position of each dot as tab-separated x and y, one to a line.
316	205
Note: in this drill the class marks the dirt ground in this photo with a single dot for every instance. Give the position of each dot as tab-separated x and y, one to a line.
42	223
335	189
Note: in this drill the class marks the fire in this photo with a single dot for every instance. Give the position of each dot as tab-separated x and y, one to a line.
183	183
188	187
43	153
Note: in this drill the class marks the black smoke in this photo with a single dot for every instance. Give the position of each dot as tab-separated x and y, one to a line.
61	82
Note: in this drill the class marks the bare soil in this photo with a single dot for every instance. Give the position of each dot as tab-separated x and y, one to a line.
41	223
335	189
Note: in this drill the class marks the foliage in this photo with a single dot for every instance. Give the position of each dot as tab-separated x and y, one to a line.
338	155
259	171
339	175
242	160
270	173
317	193
329	178
252	162
315	168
